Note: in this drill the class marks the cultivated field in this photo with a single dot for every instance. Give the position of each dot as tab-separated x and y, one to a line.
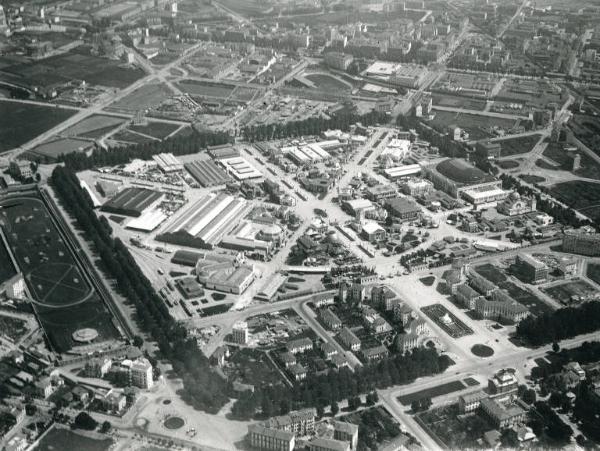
20	123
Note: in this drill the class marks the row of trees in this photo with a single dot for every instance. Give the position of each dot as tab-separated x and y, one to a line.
183	145
203	387
328	390
560	324
342	120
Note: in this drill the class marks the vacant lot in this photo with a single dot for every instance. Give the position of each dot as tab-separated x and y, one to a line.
582	196
516	146
20	122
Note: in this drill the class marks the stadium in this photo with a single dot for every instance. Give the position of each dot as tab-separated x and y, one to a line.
460	179
206	222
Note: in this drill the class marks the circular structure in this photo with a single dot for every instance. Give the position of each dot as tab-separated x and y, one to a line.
271	232
482	351
166	402
86	335
174	423
462	172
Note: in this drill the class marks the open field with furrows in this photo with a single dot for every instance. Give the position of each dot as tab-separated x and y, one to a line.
20	122
62	297
77	64
582	196
147	96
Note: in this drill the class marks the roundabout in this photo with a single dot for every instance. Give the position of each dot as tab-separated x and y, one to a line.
482	351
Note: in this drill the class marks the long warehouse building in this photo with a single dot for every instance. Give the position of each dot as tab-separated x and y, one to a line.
207	221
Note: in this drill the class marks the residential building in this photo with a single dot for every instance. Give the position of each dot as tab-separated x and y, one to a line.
471	401
403	209
501	415
114	401
330	319
568	266
382	297
407	342
532	270
266	439
328	349
505	309
239	333
322	299
141	373
481	284
287	358
374	353
299	345
349	340
298	372
97	367
346	432
20	168
325	444
339	361
299	422
403	313
582	243
356	293
488	150
43	388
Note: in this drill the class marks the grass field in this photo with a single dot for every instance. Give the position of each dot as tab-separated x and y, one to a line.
254	367
94	126
582	196
533	179
158	130
478	127
62	297
20	122
517	146
143	98
563	292
61	146
327	82
129	137
507	164
439	390
63	439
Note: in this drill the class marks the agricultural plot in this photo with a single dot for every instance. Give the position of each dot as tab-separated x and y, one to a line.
571	292
51	150
20	122
517	146
77	64
582	196
63	299
147	96
478	127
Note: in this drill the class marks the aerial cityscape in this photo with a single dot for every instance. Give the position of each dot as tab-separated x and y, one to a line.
311	225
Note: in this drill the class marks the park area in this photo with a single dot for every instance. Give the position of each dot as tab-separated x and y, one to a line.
21	122
517	146
62	297
582	196
571	292
447	321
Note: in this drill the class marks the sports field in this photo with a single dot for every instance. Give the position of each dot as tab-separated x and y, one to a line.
147	96
62	297
21	122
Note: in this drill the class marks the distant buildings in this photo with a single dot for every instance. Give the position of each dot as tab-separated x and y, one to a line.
141	374
338	60
299	422
582	243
